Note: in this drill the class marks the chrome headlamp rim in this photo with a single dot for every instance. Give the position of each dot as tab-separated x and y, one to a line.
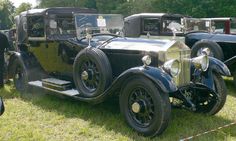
172	67
201	62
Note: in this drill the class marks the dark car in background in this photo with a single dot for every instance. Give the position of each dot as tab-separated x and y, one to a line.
93	61
155	24
216	36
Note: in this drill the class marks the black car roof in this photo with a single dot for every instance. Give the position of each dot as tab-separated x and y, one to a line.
58	10
154	15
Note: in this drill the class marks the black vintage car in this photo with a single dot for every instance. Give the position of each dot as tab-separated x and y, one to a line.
99	63
151	23
216	36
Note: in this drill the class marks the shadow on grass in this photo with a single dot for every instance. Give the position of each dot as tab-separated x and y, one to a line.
107	115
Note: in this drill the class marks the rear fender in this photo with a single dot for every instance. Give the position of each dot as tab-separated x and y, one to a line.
29	62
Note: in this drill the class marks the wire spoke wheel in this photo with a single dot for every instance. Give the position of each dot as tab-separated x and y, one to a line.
145	108
209	102
90	75
141	106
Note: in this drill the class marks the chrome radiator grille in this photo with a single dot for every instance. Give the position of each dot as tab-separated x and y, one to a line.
184	57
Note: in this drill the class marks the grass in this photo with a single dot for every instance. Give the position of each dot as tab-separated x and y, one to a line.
42	117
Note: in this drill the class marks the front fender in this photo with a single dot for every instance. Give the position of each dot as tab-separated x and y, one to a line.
161	79
156	75
215	66
218	66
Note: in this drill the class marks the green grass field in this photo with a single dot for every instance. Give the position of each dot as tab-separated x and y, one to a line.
37	116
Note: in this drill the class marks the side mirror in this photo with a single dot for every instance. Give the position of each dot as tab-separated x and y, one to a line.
2	108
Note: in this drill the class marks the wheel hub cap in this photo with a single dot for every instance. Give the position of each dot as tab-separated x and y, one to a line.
84	75
136	107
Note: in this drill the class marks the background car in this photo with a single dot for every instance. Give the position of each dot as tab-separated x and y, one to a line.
98	62
155	24
216	35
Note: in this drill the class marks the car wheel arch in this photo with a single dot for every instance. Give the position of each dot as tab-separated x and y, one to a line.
214	46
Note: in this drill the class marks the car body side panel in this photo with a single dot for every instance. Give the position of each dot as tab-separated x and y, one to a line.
49	57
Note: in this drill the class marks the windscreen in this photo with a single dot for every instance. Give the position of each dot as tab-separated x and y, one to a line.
194	24
98	23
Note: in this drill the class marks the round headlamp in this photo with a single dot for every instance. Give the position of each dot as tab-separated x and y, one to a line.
172	67
201	62
146	60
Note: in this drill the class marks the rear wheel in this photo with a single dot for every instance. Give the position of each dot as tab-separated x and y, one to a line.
145	107
20	76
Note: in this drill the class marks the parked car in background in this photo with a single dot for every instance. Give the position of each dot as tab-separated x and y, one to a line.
224	25
216	36
98	62
154	24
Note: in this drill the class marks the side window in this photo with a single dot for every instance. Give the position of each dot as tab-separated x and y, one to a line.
151	25
36	26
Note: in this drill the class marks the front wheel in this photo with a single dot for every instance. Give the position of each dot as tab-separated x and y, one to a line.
210	103
214	49
145	107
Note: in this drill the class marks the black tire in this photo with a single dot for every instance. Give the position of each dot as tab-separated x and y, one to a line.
213	46
215	106
95	64
20	76
149	97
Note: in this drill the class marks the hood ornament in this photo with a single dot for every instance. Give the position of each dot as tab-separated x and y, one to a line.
175	27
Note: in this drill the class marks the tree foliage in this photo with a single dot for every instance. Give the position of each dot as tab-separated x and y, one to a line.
194	8
23	7
6	14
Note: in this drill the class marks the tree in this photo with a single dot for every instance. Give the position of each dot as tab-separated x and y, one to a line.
23	7
6	14
67	3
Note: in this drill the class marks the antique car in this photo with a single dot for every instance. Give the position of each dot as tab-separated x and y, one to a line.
99	62
216	36
155	24
2	108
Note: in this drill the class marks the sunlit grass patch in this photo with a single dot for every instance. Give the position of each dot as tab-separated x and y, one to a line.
36	116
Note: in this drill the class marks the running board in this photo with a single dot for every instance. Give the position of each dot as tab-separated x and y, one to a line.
39	84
